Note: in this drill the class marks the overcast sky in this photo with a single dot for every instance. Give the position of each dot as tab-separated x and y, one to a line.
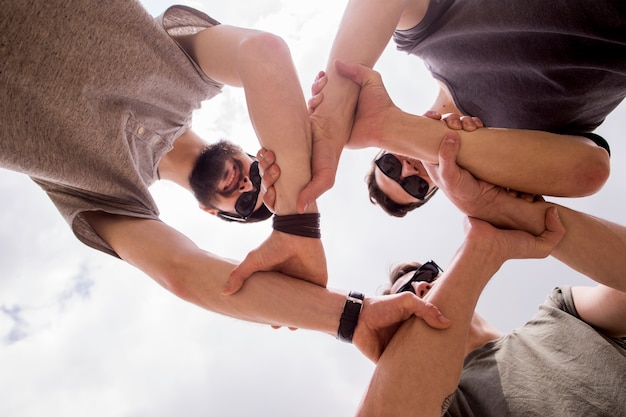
83	334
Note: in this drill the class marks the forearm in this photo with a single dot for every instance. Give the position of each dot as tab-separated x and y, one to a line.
529	161
421	367
592	246
363	34
278	113
268	297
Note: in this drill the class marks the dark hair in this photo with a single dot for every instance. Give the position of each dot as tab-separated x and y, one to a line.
206	175
208	169
377	196
394	274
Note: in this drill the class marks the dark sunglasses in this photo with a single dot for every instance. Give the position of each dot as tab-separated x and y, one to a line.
245	204
427	272
392	167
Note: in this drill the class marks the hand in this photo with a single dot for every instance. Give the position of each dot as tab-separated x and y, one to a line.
517	244
472	196
456	121
328	141
375	109
316	90
270	172
297	256
381	317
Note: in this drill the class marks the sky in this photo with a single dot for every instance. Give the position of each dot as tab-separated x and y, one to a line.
82	333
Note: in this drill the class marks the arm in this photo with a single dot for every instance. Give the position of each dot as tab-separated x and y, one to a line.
364	32
602	307
261	63
196	276
529	161
421	368
592	246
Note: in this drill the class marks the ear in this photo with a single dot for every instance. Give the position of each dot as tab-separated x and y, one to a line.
208	210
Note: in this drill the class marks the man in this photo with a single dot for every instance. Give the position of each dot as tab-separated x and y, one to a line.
576	343
97	103
512	64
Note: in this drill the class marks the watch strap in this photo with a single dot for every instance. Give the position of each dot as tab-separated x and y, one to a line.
350	316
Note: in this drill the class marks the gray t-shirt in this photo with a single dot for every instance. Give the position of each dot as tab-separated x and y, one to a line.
557	66
93	95
556	365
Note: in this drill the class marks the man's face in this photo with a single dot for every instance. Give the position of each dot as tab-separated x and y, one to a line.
233	182
392	187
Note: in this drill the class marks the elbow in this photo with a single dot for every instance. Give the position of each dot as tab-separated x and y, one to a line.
263	50
594	175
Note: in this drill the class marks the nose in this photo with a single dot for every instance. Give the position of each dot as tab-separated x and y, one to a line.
421	288
409	168
245	185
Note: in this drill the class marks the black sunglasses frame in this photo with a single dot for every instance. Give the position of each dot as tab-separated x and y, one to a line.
427	272
413	185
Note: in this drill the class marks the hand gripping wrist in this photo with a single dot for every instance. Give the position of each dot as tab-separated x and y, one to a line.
350	316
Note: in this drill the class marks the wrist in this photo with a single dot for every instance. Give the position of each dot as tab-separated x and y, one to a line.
350	316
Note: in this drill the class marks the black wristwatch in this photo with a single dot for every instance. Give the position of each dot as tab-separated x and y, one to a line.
350	316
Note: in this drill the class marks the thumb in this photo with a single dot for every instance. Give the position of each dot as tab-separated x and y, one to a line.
312	191
449	147
555	230
355	72
240	273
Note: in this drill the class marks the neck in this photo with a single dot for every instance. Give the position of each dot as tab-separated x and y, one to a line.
178	163
480	332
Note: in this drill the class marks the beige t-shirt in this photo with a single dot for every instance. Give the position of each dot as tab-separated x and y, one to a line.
94	94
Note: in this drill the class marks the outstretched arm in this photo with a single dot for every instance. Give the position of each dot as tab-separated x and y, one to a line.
261	63
594	247
529	161
197	276
421	368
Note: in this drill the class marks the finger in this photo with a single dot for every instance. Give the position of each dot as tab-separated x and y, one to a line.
321	183
320	82
479	123
430	314
448	151
269	177
241	272
269	198
431	114
314	102
266	158
555	230
453	121
469	125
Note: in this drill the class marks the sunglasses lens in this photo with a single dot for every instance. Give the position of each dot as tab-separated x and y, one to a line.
254	175
245	203
416	186
390	166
